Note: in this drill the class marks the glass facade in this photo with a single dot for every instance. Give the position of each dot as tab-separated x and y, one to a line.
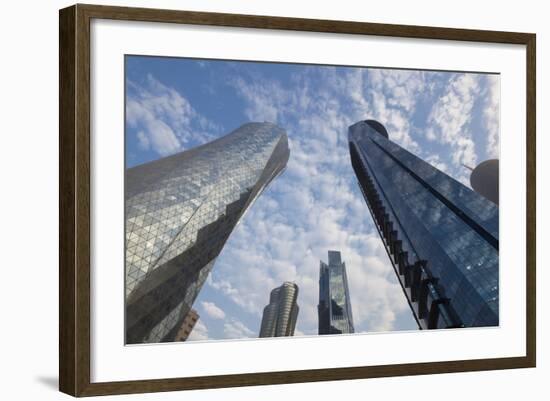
441	237
180	211
334	307
280	315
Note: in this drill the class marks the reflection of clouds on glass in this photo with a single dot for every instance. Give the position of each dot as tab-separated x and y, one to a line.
315	205
447	229
179	213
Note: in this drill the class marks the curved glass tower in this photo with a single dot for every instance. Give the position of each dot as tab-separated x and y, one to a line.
280	315
180	211
440	236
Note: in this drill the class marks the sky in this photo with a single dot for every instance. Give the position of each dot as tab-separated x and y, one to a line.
449	119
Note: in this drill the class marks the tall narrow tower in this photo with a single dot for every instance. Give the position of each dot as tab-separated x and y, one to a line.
334	307
441	237
280	315
180	211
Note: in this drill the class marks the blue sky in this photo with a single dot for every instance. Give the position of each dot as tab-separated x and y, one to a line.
174	104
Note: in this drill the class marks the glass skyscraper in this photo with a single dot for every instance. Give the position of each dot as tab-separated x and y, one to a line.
180	211
280	315
334	307
441	237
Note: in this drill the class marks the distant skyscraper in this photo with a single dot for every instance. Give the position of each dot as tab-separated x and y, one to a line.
180	211
441	237
334	307
187	325
280	315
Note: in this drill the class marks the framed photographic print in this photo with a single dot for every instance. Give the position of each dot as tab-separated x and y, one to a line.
250	200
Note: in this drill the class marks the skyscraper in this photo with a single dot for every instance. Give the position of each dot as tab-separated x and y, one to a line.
441	237
180	211
280	315
187	325
334	307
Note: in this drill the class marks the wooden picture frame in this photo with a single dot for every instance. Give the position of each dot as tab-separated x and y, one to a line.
74	203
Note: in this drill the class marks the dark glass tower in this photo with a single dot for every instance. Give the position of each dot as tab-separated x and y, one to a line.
180	210
334	302
280	315
441	237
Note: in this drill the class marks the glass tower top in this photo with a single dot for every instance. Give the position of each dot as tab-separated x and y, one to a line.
180	211
334	307
442	237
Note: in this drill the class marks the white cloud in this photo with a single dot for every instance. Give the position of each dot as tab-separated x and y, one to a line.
400	87
263	99
435	160
315	206
212	310
236	329
491	113
143	141
165	120
394	95
154	132
451	115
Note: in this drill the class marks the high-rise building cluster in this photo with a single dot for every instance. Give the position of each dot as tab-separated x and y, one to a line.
334	309
441	237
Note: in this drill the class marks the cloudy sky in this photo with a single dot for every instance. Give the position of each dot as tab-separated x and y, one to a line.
174	104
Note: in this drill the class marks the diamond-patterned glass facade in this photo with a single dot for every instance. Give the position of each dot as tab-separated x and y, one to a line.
334	307
441	237
180	211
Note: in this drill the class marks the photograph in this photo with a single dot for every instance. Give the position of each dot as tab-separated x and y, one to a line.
270	199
